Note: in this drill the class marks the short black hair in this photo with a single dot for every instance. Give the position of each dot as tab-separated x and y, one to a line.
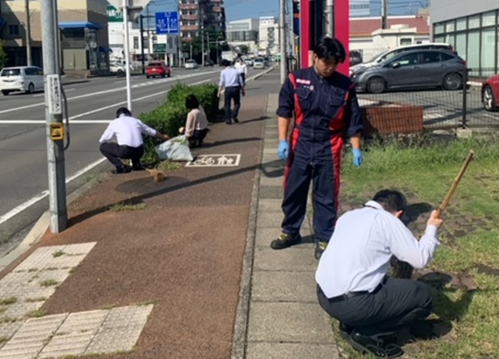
191	102
123	111
391	200
330	49
226	62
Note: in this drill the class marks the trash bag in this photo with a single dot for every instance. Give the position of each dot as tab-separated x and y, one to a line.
175	149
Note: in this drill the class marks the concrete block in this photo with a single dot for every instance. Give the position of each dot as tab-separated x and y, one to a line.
296	258
464	133
288	322
284	287
291	351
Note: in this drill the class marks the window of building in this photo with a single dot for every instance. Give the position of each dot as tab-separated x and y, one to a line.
461	24
439	28
488	60
489	19
405	41
136	42
460	45
474	22
450	26
450	39
473	58
13	30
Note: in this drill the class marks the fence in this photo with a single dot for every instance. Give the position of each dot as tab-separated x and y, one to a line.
410	111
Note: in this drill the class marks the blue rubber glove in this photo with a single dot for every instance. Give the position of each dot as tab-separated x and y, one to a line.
283	150
357	157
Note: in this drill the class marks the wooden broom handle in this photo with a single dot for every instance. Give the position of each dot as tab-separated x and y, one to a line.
447	198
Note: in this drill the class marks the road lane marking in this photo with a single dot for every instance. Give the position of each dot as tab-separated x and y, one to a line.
171	79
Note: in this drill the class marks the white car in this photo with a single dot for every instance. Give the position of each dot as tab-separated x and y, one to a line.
259	63
22	78
119	68
191	64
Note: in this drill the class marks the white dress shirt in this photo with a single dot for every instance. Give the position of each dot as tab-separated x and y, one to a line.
128	131
242	68
358	254
229	77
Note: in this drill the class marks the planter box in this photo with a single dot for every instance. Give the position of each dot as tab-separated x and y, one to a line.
388	118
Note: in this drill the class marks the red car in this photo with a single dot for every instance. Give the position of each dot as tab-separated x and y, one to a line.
157	68
490	93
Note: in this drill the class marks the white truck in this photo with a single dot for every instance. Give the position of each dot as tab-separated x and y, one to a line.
229	55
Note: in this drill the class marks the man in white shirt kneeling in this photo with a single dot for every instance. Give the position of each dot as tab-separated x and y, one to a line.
352	282
130	143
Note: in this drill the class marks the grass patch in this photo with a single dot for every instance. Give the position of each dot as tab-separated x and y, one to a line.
35	299
3	340
168	166
426	169
58	253
123	207
37	314
49	283
8	301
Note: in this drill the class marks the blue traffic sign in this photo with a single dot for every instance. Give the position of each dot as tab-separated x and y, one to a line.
167	23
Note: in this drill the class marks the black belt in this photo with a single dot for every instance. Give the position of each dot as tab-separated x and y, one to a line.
348	295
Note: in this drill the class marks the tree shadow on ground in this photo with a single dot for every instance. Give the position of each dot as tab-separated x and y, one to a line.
261	118
225	142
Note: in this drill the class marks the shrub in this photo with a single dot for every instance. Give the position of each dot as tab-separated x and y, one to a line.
168	117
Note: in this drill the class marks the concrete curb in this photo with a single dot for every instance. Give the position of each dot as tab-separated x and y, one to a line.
242	314
41	226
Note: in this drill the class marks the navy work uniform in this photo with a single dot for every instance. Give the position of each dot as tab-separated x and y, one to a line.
326	111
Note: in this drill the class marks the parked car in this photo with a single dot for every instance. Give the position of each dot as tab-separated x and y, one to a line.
208	63
23	78
413	69
355	57
259	63
157	68
118	68
191	64
388	54
490	93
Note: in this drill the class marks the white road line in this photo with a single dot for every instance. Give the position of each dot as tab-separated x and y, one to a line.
45	193
108	91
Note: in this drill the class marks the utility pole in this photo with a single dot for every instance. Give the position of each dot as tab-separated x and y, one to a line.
28	33
283	37
141	20
208	42
148	34
201	24
384	14
53	116
329	26
127	55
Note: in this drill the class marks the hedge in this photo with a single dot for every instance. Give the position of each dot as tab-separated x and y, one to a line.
168	117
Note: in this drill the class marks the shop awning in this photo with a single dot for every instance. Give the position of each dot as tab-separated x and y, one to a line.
105	49
79	25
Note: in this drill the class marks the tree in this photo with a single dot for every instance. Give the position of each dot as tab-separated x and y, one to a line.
3	56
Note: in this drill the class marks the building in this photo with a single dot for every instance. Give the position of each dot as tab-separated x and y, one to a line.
243	33
268	35
360	8
197	15
83	29
158	47
472	28
367	37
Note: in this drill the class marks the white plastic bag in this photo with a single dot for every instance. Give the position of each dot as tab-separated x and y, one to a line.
175	149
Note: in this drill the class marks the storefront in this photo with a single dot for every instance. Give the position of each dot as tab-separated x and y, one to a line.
474	35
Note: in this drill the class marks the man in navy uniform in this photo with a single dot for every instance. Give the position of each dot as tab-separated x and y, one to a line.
326	111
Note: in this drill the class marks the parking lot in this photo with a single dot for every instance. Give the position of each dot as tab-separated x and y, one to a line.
442	109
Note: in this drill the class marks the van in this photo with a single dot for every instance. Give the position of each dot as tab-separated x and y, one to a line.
22	78
388	54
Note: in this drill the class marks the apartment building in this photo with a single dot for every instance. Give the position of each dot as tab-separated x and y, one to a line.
268	34
197	15
243	33
83	30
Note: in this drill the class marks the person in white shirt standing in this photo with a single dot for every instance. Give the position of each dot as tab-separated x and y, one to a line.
233	85
130	143
242	69
352	282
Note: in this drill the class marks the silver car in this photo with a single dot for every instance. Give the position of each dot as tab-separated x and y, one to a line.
413	69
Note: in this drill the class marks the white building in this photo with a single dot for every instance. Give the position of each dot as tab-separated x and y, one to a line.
243	33
163	47
268	34
360	8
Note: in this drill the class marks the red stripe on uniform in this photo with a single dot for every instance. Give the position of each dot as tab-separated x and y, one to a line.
336	142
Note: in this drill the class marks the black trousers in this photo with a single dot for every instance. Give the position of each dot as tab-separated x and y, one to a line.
232	93
243	77
198	136
383	312
114	153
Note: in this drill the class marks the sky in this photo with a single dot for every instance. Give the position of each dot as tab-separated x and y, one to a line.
244	9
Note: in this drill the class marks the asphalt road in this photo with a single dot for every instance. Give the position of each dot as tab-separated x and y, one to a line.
442	109
23	154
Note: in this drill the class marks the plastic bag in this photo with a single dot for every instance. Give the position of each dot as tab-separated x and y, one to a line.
175	149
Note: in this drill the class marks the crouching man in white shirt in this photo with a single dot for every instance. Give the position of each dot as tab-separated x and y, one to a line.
353	286
130	144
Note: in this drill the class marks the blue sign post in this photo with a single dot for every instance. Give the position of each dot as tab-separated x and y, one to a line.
167	23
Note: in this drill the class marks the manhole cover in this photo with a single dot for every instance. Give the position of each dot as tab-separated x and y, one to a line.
146	185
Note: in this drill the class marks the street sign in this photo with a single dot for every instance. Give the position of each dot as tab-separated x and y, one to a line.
167	23
56	131
113	14
54	95
159	48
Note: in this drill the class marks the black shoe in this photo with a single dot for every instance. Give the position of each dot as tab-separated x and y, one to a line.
228	122
138	167
375	347
285	241
320	247
345	330
235	120
122	169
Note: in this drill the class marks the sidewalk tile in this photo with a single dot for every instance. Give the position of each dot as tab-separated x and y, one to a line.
271	192
284	287
269	219
266	235
288	322
291	351
272	182
295	259
269	205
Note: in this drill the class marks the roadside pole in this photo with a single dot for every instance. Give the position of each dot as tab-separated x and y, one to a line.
329	30
53	115
283	39
127	56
